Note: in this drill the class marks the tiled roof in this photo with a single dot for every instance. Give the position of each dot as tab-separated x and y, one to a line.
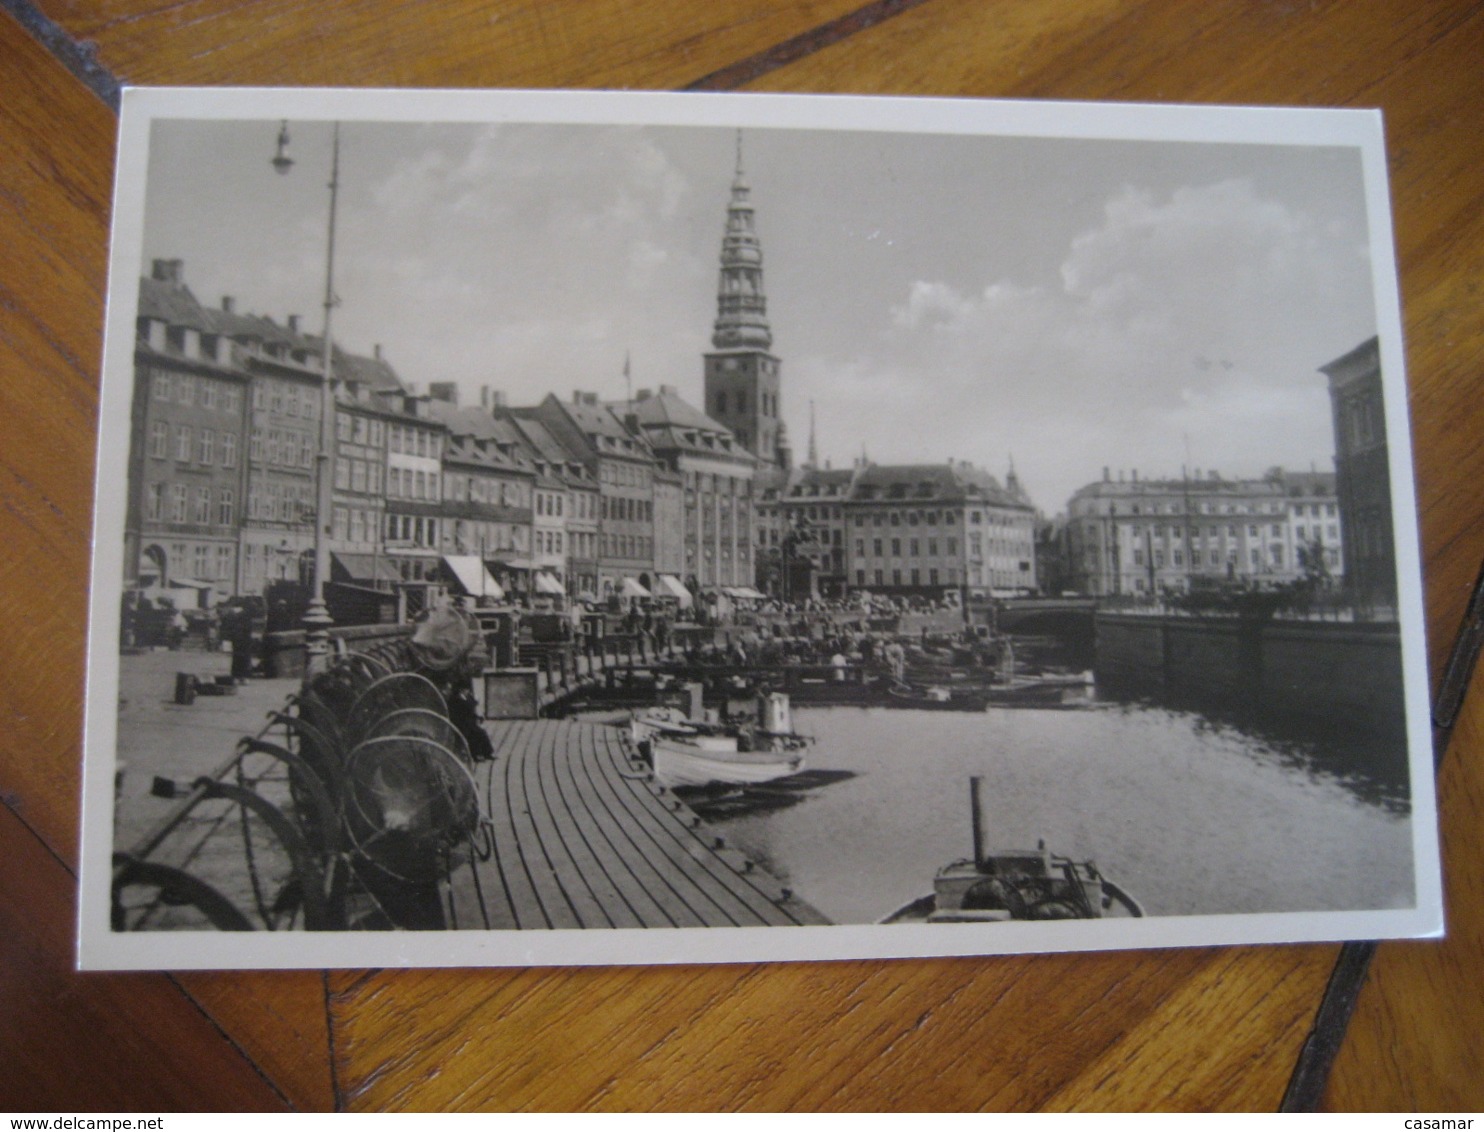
172	303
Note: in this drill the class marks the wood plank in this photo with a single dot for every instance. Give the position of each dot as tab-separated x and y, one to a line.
530	893
632	879
558	839
741	901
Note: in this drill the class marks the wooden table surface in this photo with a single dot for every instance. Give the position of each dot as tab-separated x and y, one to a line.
1180	1029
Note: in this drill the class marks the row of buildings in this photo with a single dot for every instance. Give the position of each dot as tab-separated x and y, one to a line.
593	498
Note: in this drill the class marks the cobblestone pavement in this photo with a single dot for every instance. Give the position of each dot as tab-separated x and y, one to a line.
157	736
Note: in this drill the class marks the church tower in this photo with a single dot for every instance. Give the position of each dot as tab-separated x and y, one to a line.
741	372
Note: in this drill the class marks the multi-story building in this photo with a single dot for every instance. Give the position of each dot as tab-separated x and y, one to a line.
359	484
579	505
1314	525
490	494
1363	472
186	473
927	529
704	507
1132	536
414	486
623	467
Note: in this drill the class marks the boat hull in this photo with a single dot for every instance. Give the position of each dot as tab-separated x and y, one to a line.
707	761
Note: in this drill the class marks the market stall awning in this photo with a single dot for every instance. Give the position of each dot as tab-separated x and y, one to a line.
630	587
746	592
469	572
188	584
364	567
546	584
672	585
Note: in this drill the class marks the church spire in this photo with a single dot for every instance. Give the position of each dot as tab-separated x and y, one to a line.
813	447
741	308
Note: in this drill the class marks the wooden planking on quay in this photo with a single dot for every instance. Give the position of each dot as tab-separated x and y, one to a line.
584	837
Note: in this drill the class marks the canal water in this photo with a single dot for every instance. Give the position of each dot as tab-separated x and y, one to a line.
1191	815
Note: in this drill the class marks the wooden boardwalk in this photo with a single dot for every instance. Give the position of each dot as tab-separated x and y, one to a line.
583	837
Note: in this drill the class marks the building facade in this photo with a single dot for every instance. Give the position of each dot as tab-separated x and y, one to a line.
1142	536
1363	473
932	528
623	468
704	503
186	463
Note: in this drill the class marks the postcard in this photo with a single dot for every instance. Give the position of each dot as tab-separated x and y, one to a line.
543	528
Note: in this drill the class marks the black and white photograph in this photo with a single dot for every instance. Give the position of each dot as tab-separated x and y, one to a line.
591	528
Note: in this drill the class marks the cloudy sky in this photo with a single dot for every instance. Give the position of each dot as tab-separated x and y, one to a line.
1070	303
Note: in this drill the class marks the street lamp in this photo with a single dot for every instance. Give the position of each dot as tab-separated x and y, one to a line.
317	620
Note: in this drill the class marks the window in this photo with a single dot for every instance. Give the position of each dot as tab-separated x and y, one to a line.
224	563
896	548
912	548
358	475
255	445
229	449
159	440
896	577
953	546
185	390
225	507
201	556
342	473
1177	557
182	443
154	501
201	513
206	447
160	385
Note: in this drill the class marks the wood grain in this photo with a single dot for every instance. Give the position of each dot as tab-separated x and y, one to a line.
1176	1029
100	1044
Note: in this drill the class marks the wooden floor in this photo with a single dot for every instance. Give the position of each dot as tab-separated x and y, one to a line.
1176	1029
583	837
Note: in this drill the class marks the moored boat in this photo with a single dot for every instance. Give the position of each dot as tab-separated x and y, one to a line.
1016	884
688	752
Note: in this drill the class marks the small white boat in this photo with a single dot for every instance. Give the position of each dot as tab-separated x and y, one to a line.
688	752
699	760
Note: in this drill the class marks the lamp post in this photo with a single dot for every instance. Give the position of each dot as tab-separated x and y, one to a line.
317	620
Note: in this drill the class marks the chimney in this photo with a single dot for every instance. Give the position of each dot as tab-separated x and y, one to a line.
168	271
1135	474
376	351
293	324
484	397
444	391
1107	478
499	399
643	395
229	304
